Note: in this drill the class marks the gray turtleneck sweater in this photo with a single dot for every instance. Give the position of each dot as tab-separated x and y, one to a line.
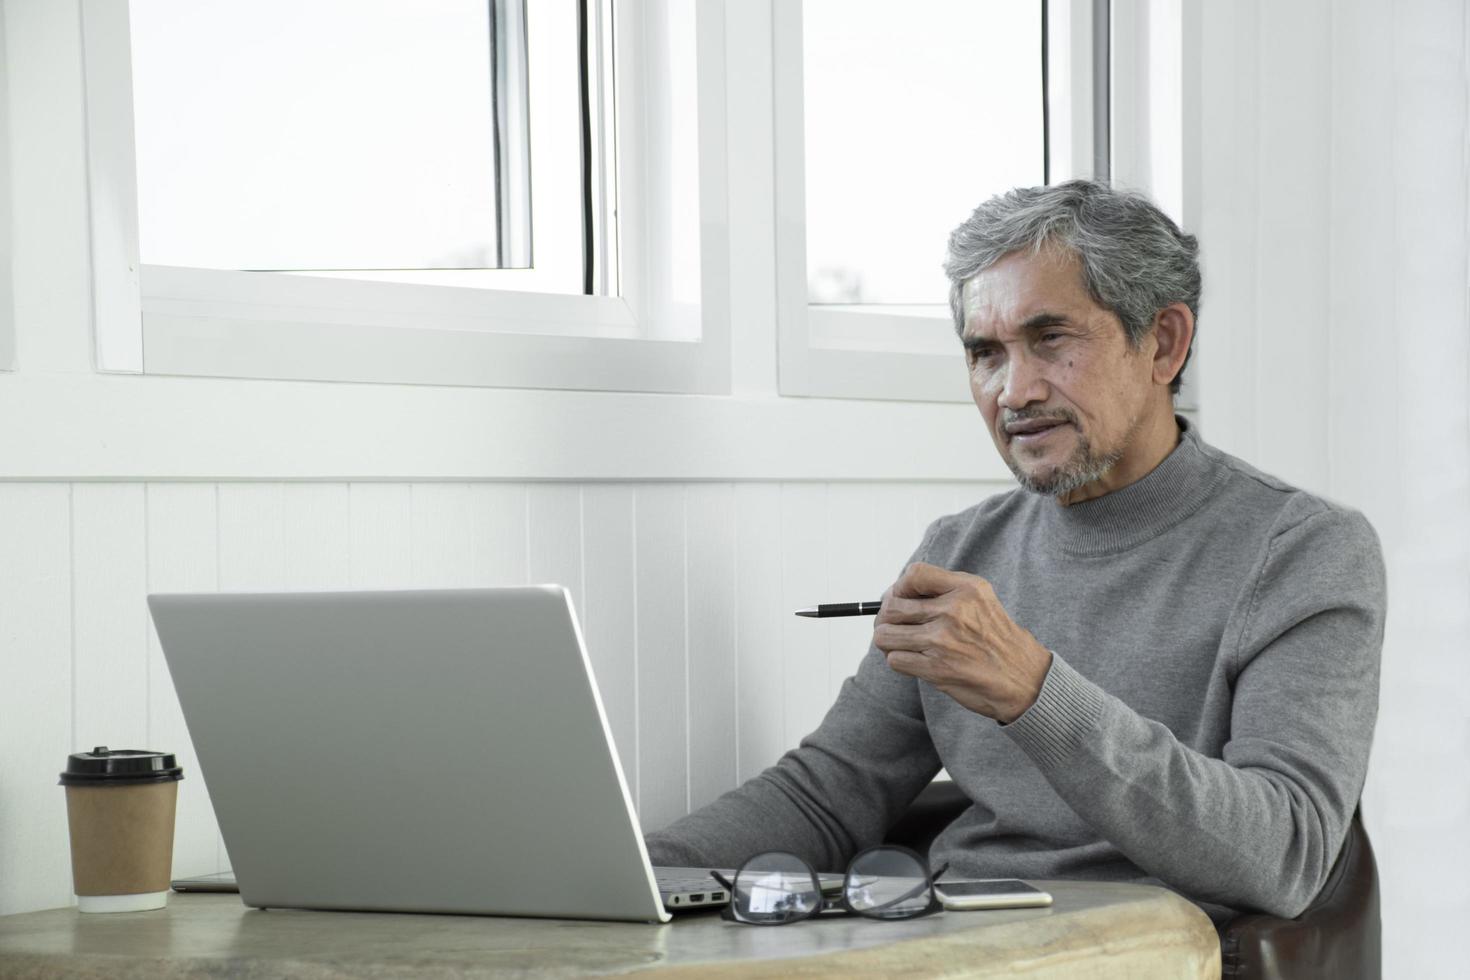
1205	723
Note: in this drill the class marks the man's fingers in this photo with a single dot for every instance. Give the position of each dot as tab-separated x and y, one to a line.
900	610
897	636
909	663
921	581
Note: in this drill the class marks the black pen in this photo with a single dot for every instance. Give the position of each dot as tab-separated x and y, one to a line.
841	609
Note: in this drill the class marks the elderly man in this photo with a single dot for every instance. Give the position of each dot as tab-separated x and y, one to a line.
1151	662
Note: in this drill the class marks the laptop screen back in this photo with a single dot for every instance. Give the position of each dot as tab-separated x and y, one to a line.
429	751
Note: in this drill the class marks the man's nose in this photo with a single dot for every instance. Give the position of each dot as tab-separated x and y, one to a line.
1024	384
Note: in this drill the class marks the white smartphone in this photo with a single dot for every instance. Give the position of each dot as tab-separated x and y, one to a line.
990	893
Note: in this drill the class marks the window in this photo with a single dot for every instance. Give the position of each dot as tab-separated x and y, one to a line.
890	130
355	135
918	128
175	294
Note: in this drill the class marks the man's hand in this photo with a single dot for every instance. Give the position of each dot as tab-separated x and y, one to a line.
949	629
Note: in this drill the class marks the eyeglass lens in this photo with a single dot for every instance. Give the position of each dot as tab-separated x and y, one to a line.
774	888
887	884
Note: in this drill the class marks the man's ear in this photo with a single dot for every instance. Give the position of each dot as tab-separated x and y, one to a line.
1173	330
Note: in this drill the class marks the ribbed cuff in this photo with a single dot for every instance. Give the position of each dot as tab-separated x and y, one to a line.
1065	713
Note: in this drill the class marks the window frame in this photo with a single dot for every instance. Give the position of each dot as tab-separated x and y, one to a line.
822	349
1153	103
157	320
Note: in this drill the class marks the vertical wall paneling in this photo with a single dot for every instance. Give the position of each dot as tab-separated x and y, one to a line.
317	536
110	629
608	613
967	495
806	695
685	593
497	534
854	573
442	539
183	556
713	690
252	537
476	535
892	529
381	529
555	536
931	502
760	667
36	695
663	773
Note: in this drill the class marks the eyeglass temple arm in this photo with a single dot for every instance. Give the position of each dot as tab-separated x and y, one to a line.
928	883
912	892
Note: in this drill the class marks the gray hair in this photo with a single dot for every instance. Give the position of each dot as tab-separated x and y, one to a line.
1135	260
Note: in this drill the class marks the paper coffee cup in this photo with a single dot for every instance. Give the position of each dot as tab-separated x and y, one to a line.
120	807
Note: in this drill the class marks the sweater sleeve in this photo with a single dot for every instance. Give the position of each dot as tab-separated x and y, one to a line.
830	797
1260	827
836	793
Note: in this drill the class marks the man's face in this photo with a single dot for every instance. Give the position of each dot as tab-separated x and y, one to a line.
1062	392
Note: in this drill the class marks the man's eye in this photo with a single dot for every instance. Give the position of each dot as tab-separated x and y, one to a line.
1052	336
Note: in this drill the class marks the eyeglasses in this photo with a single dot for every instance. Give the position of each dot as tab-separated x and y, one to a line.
777	888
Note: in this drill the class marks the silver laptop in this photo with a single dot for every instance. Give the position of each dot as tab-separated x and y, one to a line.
424	751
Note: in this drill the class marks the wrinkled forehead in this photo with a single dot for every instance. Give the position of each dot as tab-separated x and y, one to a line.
1022	285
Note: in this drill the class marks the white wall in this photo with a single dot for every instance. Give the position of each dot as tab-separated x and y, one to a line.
686	527
1330	199
1335	349
684	591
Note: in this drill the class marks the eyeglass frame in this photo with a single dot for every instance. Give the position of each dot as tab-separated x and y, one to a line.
825	905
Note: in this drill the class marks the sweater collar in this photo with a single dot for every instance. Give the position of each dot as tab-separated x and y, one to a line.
1125	518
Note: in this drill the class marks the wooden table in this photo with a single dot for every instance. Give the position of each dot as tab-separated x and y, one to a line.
1092	931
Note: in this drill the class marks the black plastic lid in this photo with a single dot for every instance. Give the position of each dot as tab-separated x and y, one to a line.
114	767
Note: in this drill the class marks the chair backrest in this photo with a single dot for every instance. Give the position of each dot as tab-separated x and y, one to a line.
1339	936
937	806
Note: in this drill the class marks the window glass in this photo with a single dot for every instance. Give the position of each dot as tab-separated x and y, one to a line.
292	135
914	114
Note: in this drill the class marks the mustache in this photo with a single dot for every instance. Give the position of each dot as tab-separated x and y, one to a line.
1008	417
